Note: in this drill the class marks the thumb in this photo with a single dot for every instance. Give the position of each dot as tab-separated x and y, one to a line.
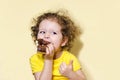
71	62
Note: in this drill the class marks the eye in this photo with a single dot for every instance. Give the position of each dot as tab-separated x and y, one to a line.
42	32
54	33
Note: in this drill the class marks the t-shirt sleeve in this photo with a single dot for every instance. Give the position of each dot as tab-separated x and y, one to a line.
36	64
76	64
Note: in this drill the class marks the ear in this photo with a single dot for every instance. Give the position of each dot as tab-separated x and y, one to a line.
65	40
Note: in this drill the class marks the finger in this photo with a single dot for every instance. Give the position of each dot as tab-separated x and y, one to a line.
51	48
47	50
61	68
63	65
71	62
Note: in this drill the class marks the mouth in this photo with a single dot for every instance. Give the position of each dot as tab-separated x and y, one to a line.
42	44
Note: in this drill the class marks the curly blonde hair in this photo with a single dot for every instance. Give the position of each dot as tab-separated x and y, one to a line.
68	27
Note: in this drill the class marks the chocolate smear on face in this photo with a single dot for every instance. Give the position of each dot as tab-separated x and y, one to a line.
42	44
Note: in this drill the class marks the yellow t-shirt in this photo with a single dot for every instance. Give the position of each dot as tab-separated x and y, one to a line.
37	64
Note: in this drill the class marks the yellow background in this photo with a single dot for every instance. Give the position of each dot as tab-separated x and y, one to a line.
99	19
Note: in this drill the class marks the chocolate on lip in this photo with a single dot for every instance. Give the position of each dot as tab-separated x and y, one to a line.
42	44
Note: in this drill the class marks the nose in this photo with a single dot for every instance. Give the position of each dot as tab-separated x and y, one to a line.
47	35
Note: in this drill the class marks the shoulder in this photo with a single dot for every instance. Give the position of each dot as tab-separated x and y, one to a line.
36	62
35	56
68	54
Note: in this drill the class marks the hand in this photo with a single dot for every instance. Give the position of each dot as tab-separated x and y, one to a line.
65	69
50	50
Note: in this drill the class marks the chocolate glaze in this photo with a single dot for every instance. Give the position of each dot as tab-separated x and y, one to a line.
42	45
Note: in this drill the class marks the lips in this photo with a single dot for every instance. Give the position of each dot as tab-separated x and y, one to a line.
42	44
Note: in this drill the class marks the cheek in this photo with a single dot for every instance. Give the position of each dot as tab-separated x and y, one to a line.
57	43
57	46
39	36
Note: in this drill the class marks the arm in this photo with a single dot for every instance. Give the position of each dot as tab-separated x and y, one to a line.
46	73
78	75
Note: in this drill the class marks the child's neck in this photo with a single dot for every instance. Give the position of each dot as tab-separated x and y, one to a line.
58	54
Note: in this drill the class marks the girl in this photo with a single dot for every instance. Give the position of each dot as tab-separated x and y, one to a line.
56	63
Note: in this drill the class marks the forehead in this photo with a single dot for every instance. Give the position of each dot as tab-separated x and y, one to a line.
49	24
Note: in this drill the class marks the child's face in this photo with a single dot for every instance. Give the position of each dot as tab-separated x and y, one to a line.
50	30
